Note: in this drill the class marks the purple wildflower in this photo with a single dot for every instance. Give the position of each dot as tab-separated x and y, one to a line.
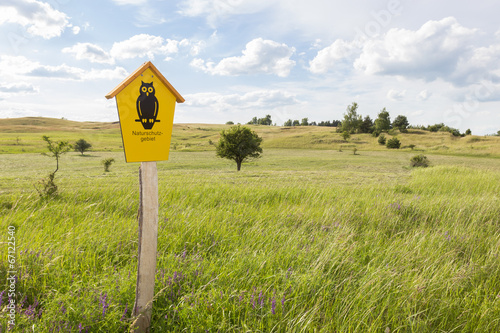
273	305
1	297
261	299
124	313
104	304
80	327
283	301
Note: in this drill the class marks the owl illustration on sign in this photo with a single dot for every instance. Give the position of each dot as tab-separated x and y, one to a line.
147	106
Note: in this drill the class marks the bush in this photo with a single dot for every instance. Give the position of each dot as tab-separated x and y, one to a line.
346	135
419	161
393	143
107	163
381	139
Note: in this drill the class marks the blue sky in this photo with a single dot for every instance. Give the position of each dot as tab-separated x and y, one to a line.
433	61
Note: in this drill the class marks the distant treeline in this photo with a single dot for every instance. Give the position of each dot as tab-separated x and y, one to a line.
356	123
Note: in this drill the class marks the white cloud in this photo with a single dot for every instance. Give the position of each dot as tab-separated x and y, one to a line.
259	56
432	51
130	2
90	52
424	95
396	95
328	57
144	45
215	10
11	66
21	66
17	88
263	99
39	18
118	73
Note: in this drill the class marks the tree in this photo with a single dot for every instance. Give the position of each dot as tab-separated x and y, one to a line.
265	121
82	146
352	121
468	132
296	122
346	135
304	122
366	125
383	122
239	143
288	123
401	123
261	121
56	149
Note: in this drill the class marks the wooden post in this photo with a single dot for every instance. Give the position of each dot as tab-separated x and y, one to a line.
148	239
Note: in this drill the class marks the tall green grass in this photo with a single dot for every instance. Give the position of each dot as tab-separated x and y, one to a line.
298	241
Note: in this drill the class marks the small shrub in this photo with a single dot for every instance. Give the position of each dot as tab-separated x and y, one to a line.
419	161
393	143
354	150
412	146
381	139
107	163
46	187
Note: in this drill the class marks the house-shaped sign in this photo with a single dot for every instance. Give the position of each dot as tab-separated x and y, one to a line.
146	104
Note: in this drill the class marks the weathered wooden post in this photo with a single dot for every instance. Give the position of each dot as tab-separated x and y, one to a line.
146	104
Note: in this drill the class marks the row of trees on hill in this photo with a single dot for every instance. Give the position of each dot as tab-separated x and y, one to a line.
354	122
304	122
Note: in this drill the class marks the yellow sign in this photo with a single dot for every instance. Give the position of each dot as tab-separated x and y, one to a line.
146	104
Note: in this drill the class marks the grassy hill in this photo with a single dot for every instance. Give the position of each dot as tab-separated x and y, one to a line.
304	239
25	135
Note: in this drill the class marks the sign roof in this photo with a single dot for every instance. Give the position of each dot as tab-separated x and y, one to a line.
137	73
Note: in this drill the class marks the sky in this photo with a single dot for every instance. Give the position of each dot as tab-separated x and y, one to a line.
232	60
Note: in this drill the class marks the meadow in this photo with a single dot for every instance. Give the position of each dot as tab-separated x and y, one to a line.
304	239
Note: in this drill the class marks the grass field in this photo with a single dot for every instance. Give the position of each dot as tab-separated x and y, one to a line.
301	240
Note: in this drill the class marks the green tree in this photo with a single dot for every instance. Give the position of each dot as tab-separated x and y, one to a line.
253	121
366	125
56	149
239	143
382	140
82	146
468	132
265	121
288	123
352	121
401	123
304	122
383	122
296	123
346	135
